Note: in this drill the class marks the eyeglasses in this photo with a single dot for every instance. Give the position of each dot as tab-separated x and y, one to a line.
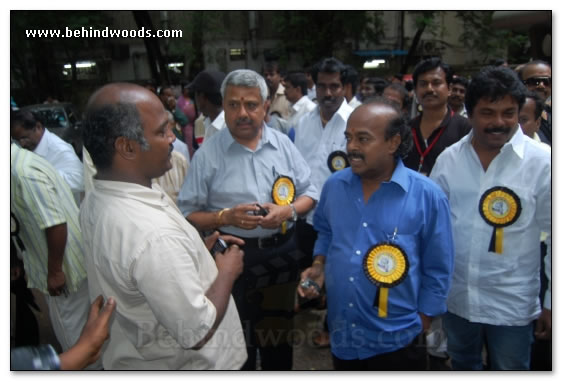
536	81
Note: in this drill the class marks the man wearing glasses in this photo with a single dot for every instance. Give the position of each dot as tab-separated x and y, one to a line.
536	75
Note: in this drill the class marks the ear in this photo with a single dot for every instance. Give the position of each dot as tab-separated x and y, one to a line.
126	148
394	143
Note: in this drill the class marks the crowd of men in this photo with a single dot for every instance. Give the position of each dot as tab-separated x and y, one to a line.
421	210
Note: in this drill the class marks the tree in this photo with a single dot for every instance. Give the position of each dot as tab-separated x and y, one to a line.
423	21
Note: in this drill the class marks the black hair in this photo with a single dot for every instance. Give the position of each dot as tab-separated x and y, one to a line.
459	80
298	80
398	125
402	91
329	65
379	84
538	102
351	77
494	83
497	62
102	125
430	64
24	118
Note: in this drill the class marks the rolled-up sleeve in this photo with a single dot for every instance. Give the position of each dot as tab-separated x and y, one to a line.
194	192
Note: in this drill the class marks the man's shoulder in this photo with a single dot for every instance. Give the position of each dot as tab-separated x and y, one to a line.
425	184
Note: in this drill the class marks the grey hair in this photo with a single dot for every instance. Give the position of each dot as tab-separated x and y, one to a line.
246	78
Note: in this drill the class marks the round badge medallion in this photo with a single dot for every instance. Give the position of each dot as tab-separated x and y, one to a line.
337	161
283	191
500	207
386	265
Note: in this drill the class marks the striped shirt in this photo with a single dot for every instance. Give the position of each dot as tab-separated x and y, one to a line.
40	198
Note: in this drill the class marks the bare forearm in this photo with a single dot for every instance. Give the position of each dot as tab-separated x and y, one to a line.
56	243
303	204
206	221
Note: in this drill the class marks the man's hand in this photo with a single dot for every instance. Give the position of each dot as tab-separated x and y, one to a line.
543	325
239	216
315	273
230	263
56	283
211	239
276	215
95	332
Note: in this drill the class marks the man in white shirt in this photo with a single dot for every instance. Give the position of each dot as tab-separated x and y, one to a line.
498	182
296	94
207	88
33	136
175	309
351	82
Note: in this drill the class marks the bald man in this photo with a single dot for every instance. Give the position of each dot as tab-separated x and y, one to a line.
384	248
175	305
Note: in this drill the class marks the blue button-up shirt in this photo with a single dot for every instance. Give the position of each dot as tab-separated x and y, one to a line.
225	173
348	227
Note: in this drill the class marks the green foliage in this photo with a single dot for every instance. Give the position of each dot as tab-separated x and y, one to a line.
479	35
317	34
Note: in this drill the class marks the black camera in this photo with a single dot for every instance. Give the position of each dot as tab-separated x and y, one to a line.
261	211
219	246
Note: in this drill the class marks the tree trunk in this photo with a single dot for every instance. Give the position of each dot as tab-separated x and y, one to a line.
154	56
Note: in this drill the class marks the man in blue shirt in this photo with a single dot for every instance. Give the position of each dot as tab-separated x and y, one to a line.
384	248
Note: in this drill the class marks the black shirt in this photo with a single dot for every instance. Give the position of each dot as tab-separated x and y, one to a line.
455	128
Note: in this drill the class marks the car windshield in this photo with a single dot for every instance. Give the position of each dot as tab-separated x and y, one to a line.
52	118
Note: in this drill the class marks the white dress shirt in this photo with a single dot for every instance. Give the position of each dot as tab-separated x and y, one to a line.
488	287
63	157
316	143
211	128
140	250
299	109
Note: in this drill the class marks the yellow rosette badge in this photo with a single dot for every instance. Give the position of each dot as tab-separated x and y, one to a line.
385	265
283	194
499	207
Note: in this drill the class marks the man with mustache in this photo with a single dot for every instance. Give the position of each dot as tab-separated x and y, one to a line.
536	75
279	104
438	126
174	304
384	250
498	182
250	181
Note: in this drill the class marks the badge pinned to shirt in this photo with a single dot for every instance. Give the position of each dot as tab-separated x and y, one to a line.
337	160
499	207
386	265
283	194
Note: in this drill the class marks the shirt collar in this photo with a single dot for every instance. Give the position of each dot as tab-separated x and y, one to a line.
219	121
516	143
400	176
267	137
154	196
42	148
300	104
340	113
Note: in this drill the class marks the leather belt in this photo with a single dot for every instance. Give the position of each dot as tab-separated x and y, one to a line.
269	241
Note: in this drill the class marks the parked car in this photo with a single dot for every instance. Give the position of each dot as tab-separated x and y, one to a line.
61	119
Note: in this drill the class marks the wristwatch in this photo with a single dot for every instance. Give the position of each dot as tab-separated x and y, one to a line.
293	213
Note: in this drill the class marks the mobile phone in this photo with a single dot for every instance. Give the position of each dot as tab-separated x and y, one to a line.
308	283
261	211
219	246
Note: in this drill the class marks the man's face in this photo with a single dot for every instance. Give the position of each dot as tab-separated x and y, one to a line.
494	123
431	89
244	112
157	131
330	92
367	90
394	95
527	119
370	155
537	78
272	78
457	96
165	96
28	139
292	93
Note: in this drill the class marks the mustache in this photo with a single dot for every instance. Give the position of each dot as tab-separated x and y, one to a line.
242	121
431	94
497	129
356	155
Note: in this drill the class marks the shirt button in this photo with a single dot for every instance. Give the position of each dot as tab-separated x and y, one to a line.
351	279
358	253
365	224
351	305
353	325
